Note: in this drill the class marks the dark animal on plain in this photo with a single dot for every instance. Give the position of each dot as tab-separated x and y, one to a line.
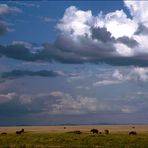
64	127
77	132
132	133
19	132
3	133
133	127
106	131
94	131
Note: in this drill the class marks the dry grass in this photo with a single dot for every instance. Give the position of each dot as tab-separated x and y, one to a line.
58	136
83	128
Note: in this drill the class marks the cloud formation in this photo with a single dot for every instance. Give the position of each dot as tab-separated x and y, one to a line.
5	10
113	38
102	38
7	97
14	74
137	74
67	104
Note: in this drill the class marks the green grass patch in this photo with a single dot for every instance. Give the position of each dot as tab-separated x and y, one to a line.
73	140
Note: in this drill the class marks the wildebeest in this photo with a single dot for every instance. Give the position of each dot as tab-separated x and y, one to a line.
106	131
3	133
132	133
19	132
94	131
77	132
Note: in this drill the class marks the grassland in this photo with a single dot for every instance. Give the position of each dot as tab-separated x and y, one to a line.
66	138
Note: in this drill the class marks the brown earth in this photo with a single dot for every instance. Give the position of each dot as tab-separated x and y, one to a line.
83	128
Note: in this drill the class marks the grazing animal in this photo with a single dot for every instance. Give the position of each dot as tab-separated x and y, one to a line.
106	131
132	133
94	131
19	132
77	132
3	133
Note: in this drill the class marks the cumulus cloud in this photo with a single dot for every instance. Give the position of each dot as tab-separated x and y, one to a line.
138	10
67	104
118	24
104	28
134	74
76	22
113	38
5	10
118	76
139	73
104	37
56	102
7	97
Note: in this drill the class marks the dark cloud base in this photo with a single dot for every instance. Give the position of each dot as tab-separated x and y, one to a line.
51	53
22	73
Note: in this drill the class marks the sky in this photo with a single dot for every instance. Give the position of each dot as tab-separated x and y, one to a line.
73	62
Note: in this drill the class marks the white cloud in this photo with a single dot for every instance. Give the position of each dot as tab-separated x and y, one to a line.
118	75
118	24
67	104
4	25
106	82
139	10
76	25
23	43
25	99
127	109
123	50
79	22
7	97
75	21
56	93
5	9
143	46
139	73
133	74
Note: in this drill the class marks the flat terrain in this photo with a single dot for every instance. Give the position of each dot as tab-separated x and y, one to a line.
60	137
83	128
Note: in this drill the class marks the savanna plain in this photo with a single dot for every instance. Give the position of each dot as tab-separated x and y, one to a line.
74	136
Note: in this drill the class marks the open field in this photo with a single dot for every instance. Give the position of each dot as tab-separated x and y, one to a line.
57	136
83	128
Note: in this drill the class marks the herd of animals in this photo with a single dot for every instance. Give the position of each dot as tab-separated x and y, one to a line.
94	131
17	132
